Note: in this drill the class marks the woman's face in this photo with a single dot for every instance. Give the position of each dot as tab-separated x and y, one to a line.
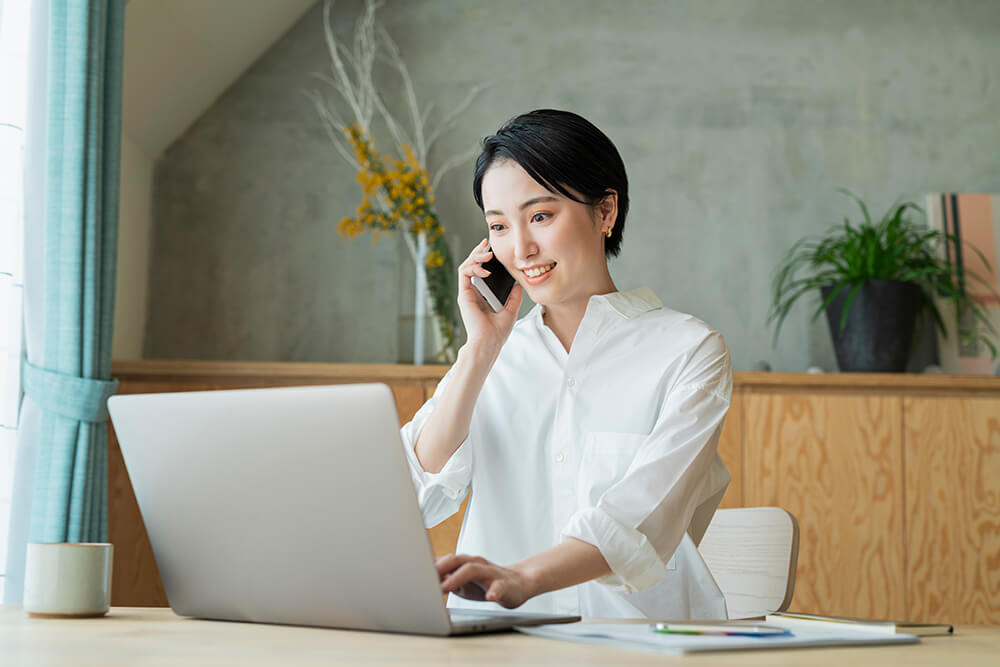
552	245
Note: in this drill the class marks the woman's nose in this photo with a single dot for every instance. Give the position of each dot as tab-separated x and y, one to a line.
524	247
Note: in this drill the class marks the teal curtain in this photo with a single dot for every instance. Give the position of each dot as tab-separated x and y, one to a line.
83	125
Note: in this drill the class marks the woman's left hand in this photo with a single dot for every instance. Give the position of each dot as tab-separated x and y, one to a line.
475	578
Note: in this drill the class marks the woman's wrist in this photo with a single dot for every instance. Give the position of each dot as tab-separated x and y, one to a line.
531	578
478	355
569	563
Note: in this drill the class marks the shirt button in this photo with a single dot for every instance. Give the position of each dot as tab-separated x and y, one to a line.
560	457
570	382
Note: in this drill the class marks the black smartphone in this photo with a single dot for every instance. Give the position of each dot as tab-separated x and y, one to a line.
495	287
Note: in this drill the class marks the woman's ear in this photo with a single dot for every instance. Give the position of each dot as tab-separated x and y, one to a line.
607	210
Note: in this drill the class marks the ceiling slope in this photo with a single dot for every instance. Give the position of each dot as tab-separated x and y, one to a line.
181	55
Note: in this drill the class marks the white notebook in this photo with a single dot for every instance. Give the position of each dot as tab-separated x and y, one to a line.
797	620
640	636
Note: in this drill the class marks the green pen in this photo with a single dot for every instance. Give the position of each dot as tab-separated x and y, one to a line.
723	628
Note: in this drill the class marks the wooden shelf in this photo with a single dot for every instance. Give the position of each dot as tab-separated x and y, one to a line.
904	382
247	370
243	371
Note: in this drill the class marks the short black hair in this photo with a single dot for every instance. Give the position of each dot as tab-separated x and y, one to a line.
560	150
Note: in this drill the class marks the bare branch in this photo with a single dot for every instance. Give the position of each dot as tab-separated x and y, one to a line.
333	125
339	89
340	74
365	49
352	78
420	148
395	129
452	117
451	163
398	132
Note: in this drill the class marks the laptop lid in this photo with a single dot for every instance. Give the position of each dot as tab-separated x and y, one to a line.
290	505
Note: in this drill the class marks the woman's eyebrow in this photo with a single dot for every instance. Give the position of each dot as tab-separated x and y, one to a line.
530	202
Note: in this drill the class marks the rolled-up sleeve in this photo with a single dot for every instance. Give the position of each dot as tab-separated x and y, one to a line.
640	520
440	494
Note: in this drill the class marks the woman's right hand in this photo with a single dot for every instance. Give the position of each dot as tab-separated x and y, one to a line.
485	330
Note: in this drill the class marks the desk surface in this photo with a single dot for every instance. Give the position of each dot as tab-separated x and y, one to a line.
156	636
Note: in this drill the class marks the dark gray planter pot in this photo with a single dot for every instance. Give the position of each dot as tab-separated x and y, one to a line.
879	329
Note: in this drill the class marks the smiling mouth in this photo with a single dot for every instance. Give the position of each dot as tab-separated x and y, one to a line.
536	271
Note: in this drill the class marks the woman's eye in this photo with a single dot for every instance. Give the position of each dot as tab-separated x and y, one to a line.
538	217
496	227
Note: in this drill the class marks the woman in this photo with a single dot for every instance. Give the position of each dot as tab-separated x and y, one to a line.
586	430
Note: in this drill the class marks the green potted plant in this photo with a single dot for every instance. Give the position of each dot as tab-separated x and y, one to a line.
873	279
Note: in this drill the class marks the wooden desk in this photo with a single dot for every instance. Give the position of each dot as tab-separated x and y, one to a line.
155	636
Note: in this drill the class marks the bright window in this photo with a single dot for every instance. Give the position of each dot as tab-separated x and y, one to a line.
14	28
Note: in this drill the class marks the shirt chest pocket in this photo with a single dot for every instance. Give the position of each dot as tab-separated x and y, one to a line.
606	458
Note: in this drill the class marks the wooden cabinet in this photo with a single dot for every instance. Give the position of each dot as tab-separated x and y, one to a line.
731	451
834	462
952	492
894	479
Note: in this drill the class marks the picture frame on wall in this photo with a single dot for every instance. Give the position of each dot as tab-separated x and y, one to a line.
974	219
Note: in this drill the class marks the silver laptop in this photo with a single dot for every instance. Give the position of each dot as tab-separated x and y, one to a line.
290	505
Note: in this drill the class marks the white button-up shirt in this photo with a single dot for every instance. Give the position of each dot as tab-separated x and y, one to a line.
613	443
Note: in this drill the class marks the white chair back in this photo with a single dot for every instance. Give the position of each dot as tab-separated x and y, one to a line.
752	552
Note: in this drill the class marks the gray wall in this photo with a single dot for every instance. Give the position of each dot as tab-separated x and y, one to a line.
736	121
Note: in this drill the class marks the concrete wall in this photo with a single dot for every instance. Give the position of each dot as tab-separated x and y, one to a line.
736	120
164	43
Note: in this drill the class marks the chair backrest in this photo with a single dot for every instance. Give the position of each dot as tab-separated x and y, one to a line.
752	552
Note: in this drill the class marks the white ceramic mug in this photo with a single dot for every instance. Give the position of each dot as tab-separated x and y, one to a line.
68	580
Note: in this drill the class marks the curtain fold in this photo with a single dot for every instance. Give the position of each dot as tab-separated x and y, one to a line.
81	235
60	492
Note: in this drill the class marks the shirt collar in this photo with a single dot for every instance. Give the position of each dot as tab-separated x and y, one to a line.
630	304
